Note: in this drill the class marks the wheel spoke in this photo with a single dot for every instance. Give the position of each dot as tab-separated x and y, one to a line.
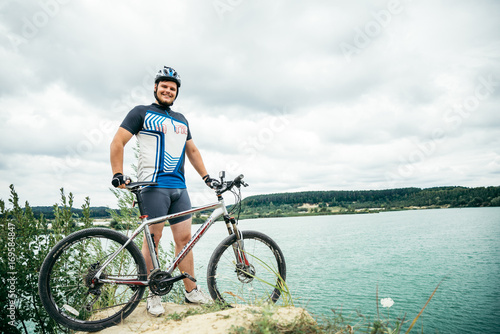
69	290
260	282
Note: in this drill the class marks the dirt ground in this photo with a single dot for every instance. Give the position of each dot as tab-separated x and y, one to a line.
216	322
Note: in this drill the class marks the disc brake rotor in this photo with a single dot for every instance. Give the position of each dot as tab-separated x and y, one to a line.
245	274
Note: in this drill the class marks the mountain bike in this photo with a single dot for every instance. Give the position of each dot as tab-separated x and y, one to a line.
94	278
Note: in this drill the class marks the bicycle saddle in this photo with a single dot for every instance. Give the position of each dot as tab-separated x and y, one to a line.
135	186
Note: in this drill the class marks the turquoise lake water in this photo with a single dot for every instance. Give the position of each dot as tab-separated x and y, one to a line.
336	262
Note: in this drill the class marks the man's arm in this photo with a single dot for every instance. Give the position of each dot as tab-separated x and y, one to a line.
195	158
121	138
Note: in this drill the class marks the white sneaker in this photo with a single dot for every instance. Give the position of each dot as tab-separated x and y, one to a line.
154	306
197	297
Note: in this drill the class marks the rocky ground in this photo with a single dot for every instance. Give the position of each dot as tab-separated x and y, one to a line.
215	322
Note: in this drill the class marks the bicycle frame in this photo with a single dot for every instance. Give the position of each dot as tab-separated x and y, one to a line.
219	210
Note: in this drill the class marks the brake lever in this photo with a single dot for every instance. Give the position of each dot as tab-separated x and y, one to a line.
216	184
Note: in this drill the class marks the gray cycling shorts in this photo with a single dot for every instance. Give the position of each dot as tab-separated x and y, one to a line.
159	202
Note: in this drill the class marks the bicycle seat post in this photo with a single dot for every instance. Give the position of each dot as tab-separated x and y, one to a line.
136	188
138	196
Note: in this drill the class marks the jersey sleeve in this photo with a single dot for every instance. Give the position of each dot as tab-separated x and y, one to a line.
189	132
134	120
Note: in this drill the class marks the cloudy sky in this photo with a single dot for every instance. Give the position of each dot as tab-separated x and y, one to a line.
309	95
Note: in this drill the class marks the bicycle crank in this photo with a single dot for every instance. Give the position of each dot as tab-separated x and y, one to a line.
161	282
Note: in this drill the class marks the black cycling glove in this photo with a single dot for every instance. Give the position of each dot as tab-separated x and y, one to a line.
119	179
211	183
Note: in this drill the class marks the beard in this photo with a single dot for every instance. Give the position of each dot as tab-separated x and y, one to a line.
162	103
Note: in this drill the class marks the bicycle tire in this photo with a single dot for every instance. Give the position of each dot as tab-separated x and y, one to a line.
229	285
67	268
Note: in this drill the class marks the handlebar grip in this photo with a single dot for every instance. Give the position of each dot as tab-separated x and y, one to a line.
238	181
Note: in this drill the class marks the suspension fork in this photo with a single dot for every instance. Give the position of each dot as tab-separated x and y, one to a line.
238	246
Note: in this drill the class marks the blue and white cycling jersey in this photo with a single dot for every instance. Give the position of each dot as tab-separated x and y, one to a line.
162	135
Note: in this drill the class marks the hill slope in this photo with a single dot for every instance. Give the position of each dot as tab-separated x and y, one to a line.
344	201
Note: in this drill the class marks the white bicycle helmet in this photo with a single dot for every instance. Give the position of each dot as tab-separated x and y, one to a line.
168	74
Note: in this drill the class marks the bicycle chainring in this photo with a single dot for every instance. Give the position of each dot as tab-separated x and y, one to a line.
157	286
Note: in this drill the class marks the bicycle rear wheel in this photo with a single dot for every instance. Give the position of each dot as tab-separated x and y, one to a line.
261	281
65	280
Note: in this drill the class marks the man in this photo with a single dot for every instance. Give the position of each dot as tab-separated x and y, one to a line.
164	139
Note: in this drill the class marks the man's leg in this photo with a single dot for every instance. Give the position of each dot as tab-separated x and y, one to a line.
157	230
182	234
153	304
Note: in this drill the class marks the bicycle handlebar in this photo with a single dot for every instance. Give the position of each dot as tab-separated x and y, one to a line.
238	181
224	186
219	186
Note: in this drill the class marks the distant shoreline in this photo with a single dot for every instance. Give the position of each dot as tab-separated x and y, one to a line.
355	212
335	202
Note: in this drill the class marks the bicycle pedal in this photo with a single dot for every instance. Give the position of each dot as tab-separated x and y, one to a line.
185	274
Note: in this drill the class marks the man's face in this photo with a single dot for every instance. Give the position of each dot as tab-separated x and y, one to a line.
166	92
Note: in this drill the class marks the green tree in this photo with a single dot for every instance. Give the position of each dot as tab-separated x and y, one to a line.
25	242
127	216
476	201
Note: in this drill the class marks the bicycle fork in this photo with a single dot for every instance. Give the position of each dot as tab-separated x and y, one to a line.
238	247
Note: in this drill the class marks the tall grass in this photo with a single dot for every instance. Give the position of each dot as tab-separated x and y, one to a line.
280	284
337	322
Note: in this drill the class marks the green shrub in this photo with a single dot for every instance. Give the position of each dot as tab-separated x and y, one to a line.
25	243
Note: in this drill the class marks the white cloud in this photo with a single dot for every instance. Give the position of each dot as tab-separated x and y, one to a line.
267	88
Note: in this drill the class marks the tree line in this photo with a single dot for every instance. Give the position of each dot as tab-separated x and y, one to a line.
354	200
349	200
48	212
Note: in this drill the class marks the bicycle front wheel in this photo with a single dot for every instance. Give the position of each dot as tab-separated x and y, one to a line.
65	286
260	279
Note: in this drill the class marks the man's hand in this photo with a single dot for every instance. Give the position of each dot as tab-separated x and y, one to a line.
211	183
119	180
